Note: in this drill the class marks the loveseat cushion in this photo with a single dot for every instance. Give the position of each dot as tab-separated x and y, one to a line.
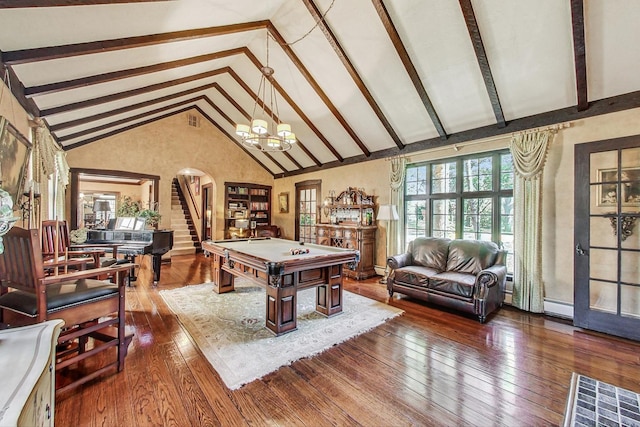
460	284
471	256
413	275
430	252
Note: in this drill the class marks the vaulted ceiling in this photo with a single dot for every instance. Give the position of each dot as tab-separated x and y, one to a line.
357	79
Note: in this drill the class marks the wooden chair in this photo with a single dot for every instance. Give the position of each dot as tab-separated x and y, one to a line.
57	231
90	308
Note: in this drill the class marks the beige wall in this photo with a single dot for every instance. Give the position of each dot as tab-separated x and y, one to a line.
165	147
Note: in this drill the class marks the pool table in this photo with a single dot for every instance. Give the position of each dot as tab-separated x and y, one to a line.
282	267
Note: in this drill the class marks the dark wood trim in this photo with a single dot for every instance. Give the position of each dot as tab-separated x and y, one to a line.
88	131
246	115
314	84
408	65
26	56
75	185
130	93
340	52
295	107
123	74
579	53
483	61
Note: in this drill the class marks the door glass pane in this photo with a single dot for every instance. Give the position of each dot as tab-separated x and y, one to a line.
630	267
599	161
602	296
308	215
604	198
632	224
603	264
601	232
630	301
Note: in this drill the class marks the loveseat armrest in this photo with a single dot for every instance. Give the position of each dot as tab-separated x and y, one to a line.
397	261
496	275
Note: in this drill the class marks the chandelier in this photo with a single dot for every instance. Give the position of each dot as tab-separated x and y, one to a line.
265	132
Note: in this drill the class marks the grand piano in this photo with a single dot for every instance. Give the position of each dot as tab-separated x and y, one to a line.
132	239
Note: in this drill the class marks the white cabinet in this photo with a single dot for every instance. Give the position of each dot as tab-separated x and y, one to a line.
27	372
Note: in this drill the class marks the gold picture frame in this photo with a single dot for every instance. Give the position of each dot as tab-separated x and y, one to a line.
283	202
14	156
607	192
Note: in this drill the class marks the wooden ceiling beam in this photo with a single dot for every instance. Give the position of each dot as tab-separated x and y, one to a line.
314	84
14	4
383	13
86	132
351	69
105	115
129	93
579	53
10	79
246	115
483	61
122	74
26	56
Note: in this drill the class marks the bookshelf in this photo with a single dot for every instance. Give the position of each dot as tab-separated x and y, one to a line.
246	206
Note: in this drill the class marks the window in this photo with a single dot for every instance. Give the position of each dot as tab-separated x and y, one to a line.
468	197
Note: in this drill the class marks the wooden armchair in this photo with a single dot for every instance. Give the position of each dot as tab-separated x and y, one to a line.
91	309
68	253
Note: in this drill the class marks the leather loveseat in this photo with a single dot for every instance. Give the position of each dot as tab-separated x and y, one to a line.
468	275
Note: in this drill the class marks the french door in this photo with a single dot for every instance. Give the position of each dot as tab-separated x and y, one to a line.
607	237
307	210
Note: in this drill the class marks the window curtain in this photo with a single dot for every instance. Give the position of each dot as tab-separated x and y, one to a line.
49	158
396	181
529	152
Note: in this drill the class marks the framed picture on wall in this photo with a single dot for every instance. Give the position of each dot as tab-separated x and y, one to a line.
14	154
283	202
607	194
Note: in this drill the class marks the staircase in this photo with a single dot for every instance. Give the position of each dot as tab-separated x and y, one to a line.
185	238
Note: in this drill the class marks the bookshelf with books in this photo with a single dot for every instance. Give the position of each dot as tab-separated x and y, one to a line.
246	206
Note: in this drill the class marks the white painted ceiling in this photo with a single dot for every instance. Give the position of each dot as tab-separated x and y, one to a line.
528	45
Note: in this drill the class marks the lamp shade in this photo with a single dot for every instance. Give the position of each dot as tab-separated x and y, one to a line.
101	206
387	213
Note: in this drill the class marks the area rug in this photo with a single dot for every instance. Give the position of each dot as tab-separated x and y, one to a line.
230	328
596	403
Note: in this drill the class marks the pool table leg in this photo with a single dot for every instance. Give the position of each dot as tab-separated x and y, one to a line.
329	296
222	280
281	307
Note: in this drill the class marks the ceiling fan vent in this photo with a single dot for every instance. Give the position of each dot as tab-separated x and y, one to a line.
193	120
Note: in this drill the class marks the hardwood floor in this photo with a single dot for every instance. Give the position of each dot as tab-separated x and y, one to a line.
426	367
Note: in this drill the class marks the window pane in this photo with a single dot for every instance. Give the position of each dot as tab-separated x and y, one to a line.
416	180
415	221
478	174
443	178
443	218
506	172
477	218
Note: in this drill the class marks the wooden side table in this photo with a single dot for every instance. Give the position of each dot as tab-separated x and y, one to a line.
27	372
